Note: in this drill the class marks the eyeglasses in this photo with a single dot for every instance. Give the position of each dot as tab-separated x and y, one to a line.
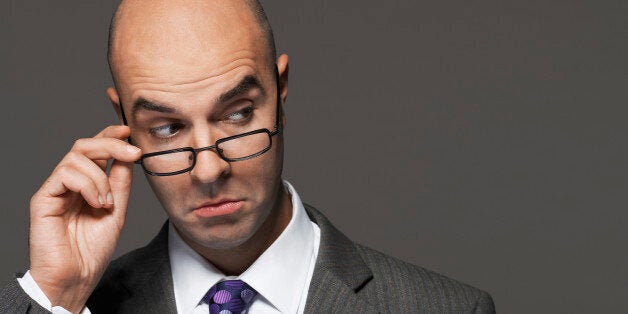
233	148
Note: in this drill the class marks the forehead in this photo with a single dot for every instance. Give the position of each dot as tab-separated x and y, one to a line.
182	43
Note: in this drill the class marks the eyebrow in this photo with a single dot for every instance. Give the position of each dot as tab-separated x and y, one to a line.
144	104
248	83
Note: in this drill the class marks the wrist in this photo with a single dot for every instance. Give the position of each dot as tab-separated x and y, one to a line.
70	295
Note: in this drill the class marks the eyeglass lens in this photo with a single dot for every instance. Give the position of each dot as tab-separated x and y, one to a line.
231	149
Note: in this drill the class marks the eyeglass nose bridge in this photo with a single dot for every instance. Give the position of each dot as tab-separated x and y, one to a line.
212	147
198	150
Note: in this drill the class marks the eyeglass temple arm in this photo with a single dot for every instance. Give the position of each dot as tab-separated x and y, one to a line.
128	139
278	123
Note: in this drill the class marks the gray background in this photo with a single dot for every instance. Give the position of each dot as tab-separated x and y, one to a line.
481	139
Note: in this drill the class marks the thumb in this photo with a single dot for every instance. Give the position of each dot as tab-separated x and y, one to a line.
120	179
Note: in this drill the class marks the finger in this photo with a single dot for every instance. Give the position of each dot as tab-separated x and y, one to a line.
106	148
115	131
67	178
94	172
120	179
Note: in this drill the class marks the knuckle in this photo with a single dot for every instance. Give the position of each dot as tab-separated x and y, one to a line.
72	157
102	181
62	170
79	143
33	200
64	173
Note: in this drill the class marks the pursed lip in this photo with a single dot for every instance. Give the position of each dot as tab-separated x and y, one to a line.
218	208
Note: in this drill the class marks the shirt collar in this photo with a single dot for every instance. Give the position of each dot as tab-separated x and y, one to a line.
278	275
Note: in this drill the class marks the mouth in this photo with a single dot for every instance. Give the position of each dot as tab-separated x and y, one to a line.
218	208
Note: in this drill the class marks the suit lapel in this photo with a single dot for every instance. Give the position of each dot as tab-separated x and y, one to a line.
150	287
156	295
339	276
339	273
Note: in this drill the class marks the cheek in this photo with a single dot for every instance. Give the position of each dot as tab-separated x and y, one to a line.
251	177
262	169
169	190
258	178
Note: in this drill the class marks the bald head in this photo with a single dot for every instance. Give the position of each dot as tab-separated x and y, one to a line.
161	15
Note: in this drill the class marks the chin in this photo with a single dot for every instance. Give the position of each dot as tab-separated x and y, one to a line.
219	236
222	244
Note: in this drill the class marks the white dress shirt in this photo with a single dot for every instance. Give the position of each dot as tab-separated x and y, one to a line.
281	275
32	289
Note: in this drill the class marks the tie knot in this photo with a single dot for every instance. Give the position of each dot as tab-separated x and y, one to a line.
229	297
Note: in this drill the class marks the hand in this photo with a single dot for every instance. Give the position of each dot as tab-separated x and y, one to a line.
77	215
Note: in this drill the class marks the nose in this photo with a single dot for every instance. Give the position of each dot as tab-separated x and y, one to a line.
209	167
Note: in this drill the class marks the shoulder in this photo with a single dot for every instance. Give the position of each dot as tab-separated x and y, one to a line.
390	284
397	282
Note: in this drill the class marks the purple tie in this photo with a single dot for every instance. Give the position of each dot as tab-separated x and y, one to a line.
229	297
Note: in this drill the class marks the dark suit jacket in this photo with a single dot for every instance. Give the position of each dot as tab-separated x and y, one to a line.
348	278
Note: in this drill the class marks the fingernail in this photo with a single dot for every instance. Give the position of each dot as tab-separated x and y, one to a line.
109	198
101	200
132	149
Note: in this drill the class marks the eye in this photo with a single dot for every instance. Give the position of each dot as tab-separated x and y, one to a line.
166	131
240	115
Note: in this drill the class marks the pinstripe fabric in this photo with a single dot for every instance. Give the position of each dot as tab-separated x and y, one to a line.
14	300
348	278
137	282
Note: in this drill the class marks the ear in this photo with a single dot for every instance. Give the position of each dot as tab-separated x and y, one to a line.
282	66
115	102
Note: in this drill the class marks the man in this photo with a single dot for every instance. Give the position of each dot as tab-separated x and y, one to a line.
200	95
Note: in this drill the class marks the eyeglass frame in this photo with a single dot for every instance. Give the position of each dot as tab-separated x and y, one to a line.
194	151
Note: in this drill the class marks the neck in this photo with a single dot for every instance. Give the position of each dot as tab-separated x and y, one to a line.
234	261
